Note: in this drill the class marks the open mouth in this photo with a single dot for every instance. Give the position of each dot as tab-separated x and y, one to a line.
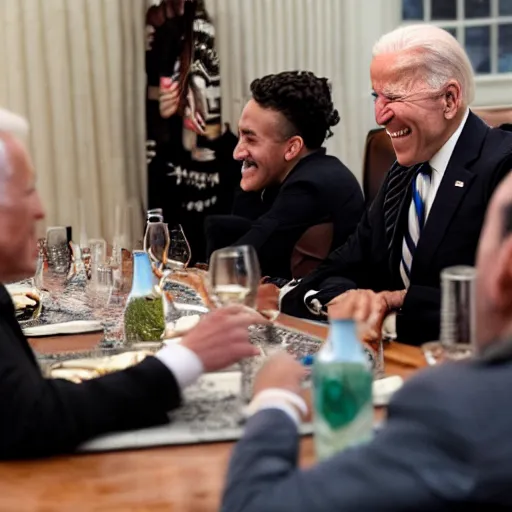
404	132
249	165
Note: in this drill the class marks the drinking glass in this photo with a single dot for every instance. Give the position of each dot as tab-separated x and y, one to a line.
233	278
57	249
457	339
234	275
155	215
179	250
156	243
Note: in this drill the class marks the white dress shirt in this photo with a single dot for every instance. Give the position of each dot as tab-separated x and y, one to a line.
439	163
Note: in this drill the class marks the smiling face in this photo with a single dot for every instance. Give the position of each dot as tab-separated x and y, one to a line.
266	152
418	119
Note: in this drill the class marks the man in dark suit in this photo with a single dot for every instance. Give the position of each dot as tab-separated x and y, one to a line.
39	416
289	184
429	211
446	442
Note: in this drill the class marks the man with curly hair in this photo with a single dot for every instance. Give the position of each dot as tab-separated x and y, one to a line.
289	184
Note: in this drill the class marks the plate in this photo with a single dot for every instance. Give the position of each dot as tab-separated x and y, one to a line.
74	327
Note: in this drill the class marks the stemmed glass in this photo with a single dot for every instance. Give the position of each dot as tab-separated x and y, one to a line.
234	275
233	278
156	243
179	251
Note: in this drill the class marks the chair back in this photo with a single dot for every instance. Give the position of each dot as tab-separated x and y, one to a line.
378	158
311	249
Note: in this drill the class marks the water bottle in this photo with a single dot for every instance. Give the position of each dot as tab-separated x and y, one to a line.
342	391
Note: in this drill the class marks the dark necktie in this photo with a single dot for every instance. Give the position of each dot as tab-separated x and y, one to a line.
399	179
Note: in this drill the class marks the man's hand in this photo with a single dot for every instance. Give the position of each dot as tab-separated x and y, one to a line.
366	307
280	371
268	297
221	338
169	99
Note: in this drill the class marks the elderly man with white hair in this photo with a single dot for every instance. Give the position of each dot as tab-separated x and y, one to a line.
429	211
39	416
445	445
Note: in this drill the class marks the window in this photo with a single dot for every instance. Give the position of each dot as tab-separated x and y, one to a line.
484	28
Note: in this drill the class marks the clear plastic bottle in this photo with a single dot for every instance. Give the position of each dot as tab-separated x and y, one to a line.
342	390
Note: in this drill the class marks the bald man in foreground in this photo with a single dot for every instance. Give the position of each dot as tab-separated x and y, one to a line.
446	444
40	417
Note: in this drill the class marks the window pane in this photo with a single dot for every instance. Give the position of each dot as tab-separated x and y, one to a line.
412	9
477	8
444	9
452	31
478	41
505	7
505	48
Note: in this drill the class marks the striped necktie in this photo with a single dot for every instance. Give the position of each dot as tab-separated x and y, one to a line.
399	179
416	219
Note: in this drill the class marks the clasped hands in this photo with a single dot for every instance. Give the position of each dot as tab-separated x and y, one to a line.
368	308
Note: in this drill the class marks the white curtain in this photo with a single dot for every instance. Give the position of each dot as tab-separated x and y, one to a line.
332	38
75	69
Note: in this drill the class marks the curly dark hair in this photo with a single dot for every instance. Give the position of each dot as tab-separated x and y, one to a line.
305	101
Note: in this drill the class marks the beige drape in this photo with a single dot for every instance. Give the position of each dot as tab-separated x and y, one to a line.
75	69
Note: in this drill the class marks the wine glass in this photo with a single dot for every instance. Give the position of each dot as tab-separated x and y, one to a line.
155	215
156	243
233	278
179	251
234	275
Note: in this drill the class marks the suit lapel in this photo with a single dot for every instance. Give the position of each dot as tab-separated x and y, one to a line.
455	184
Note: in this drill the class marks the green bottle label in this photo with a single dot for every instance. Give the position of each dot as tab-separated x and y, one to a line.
342	391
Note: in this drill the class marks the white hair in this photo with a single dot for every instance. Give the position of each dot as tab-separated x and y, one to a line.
13	124
441	56
16	126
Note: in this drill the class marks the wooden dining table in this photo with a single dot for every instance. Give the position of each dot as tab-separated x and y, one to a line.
174	478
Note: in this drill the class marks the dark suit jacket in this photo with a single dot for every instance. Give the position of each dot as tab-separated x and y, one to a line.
319	189
481	158
40	417
446	445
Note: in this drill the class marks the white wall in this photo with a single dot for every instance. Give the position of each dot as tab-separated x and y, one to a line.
332	38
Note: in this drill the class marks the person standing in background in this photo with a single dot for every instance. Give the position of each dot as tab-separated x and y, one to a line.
185	147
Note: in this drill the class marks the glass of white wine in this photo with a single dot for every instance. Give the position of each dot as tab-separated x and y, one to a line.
233	278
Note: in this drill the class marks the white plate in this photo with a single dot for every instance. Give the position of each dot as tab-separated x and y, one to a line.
75	327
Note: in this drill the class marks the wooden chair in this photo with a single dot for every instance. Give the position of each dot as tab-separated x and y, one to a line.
311	249
495	117
378	158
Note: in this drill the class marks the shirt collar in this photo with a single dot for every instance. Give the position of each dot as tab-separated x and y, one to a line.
439	162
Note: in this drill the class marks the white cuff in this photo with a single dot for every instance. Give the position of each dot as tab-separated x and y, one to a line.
184	364
389	327
282	406
314	305
282	399
285	289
